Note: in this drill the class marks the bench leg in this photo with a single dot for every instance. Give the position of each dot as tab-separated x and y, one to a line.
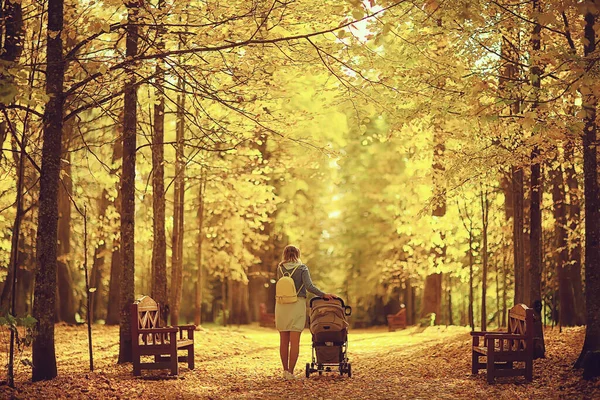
190	357
474	363
174	364
490	368
137	370
529	370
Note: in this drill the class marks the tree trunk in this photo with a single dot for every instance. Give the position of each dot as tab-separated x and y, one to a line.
574	225
200	238
535	208
504	291
65	304
498	310
114	289
159	244
432	292
12	47
126	296
99	261
450	319
471	262
410	303
484	249
518	235
589	358
114	293
432	296
44	356
565	290
178	211
224	301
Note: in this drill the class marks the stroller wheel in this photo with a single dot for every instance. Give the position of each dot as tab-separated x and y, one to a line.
308	370
349	370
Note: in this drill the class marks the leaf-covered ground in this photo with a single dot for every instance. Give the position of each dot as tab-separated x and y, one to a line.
243	363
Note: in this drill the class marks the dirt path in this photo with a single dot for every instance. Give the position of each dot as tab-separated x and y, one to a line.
243	363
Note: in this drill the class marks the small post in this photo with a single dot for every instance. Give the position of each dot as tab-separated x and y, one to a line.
87	289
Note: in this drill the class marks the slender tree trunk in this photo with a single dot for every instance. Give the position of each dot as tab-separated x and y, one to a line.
178	211
224	299
471	262
498	309
98	262
12	47
484	250
504	290
535	221
126	297
11	284
590	353
200	238
114	289
518	234
44	356
574	226
565	290
410	303
159	244
449	289
65	305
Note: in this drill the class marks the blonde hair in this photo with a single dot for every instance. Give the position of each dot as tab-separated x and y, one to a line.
290	254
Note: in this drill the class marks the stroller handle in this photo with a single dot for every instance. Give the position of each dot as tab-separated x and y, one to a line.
347	309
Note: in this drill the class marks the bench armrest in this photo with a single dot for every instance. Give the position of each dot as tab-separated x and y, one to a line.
186	327
479	333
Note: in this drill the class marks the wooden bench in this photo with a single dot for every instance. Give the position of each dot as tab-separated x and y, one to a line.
397	321
150	339
502	349
266	319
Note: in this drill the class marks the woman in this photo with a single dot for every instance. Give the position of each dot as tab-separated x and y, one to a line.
290	318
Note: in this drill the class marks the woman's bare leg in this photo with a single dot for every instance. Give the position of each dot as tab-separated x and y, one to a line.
284	345
294	350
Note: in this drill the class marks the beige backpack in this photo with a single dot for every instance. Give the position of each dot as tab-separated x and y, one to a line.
285	288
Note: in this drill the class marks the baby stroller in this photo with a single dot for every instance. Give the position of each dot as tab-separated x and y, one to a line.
329	330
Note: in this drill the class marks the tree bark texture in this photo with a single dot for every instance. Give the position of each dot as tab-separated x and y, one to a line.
484	250
99	263
574	224
432	296
535	207
159	244
178	211
128	191
590	353
65	303
199	241
565	289
44	356
114	287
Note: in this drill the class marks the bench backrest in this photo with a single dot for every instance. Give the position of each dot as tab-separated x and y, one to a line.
145	314
520	322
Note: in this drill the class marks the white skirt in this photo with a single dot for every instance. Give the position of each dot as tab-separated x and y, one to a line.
291	316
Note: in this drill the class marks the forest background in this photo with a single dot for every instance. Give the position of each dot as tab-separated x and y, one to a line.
438	156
